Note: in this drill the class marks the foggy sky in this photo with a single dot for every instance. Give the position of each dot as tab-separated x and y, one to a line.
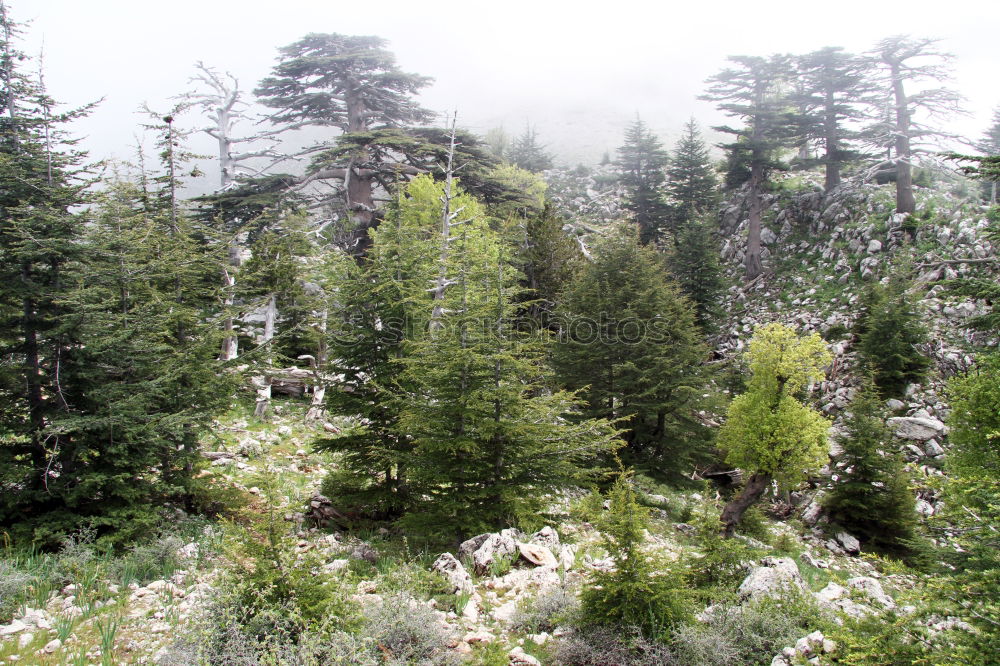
579	71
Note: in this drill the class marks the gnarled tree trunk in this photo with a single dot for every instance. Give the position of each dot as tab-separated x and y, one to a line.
263	383
733	513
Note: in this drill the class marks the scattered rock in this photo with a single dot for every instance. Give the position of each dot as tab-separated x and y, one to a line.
52	646
849	543
470	546
538	555
547	536
447	564
871	589
776	574
495	546
13	628
518	657
917	428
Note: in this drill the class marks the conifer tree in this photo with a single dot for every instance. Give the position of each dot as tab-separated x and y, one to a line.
548	258
768	432
904	61
871	498
489	442
694	264
527	153
753	91
382	307
637	592
990	146
641	162
890	330
629	343
834	87
692	187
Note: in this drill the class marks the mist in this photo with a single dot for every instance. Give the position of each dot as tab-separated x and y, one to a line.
579	73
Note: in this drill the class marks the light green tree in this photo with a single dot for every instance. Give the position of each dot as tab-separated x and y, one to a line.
768	432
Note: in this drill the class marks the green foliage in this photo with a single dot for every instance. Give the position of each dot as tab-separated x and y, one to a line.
872	498
721	563
747	634
642	161
767	429
601	645
629	344
527	153
549	259
973	502
692	186
890	329
549	609
694	264
641	592
983	288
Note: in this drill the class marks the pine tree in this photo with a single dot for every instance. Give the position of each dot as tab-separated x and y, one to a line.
629	343
904	61
40	181
692	186
489	441
694	264
871	498
990	146
548	258
834	87
637	593
383	307
890	330
527	153
641	162
754	92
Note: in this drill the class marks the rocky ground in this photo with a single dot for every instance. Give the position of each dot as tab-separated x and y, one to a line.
820	253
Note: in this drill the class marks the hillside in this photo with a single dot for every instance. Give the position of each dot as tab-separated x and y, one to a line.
784	589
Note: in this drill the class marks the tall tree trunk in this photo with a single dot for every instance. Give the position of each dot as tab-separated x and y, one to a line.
316	410
263	382
905	202
733	513
230	343
832	142
753	263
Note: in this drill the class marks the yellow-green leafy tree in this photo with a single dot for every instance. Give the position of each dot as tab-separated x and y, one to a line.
769	433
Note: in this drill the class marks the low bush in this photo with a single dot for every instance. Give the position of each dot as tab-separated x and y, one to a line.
550	608
601	646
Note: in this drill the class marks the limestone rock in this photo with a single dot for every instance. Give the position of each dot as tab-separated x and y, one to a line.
453	570
13	628
849	543
547	536
540	556
518	657
495	546
469	546
917	428
776	574
871	589
52	646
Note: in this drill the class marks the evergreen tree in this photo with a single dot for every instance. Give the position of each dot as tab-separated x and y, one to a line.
641	162
637	592
871	498
768	432
628	342
489	442
890	329
972	506
527	153
982	286
834	86
694	264
40	182
382	307
990	146
548	258
692	186
904	61
753	91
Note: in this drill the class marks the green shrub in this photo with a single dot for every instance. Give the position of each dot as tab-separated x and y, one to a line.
13	587
601	646
639	592
405	631
550	608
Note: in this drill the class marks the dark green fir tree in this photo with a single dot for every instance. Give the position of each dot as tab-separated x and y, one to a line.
871	497
642	161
